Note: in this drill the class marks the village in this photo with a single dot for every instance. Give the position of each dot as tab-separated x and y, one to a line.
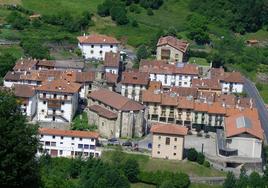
165	107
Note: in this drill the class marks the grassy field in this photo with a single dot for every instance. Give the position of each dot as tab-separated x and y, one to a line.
199	61
193	185
149	164
264	92
15	50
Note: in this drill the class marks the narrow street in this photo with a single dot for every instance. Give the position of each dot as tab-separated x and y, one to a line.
252	92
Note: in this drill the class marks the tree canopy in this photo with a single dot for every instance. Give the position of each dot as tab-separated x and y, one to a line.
19	143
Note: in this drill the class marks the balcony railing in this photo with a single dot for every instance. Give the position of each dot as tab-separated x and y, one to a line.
58	98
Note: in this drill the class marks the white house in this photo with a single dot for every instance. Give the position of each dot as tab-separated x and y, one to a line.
244	134
170	75
12	78
28	101
57	101
68	143
133	83
95	46
112	62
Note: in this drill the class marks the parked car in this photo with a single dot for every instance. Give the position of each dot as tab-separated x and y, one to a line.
113	141
127	143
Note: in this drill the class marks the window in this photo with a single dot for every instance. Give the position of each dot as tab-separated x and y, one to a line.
55	96
44	102
62	111
92	46
158	145
65	96
185	83
91	51
92	139
175	147
92	146
53	136
53	118
80	139
44	95
42	136
62	103
167	140
53	143
47	143
174	154
102	123
72	138
42	110
111	46
158	152
165	79
86	146
61	152
100	46
86	153
72	144
61	137
80	145
24	110
159	137
175	139
61	142
101	52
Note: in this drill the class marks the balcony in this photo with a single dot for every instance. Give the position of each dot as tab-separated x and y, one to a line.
52	98
54	104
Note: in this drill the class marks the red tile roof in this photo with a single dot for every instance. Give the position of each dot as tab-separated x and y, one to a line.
115	100
25	91
79	77
249	123
103	112
200	107
12	76
25	64
70	133
212	84
151	96
61	86
185	91
135	78
186	103
233	77
216	108
153	85
169	129
112	59
97	39
174	42
111	78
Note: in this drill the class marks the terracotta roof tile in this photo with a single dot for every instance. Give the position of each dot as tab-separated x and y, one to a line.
61	86
185	91
228	100
25	91
25	64
233	77
115	100
201	107
174	42
45	63
103	112
244	122
112	59
154	85
151	96
137	78
12	76
79	77
216	108
70	133
186	103
111	78
169	99
169	129
97	39
212	84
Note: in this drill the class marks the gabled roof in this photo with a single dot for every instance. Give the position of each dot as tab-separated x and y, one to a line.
79	77
70	133
174	42
233	77
170	129
185	91
103	112
25	64
186	103
111	78
61	86
115	100
212	84
12	76
135	78
25	91
244	122
97	39
112	59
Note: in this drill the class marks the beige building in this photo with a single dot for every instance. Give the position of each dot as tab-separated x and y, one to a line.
168	141
116	115
133	83
171	48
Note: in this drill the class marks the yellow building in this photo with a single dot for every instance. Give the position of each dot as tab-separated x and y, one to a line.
168	141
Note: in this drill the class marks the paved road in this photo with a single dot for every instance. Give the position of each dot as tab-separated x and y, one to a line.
252	92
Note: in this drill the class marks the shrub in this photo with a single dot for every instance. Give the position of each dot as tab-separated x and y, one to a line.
134	23
131	170
150	12
206	164
200	158
192	154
